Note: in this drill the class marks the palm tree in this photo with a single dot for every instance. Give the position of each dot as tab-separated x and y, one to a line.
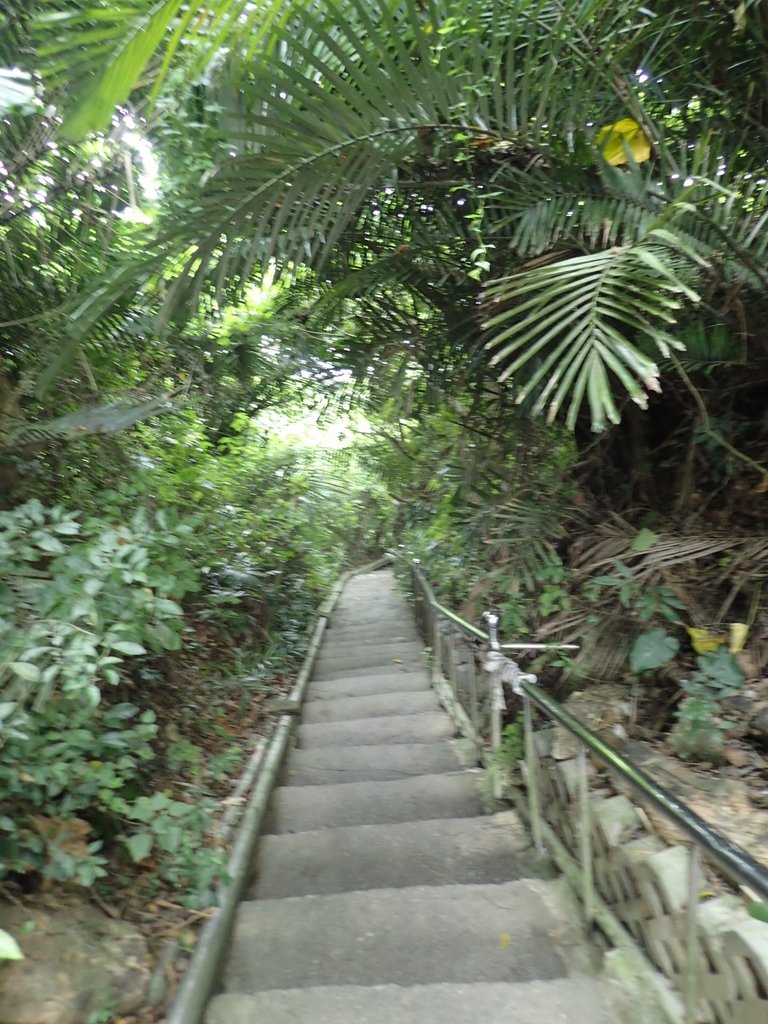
458	165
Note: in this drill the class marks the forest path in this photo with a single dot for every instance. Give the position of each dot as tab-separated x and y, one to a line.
382	892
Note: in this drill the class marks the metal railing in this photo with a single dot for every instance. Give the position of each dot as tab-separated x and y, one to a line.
482	721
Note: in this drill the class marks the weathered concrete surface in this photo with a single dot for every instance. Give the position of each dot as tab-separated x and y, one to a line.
375	705
419	935
425	728
79	963
403	661
384	763
495	848
303	808
558	1001
361	686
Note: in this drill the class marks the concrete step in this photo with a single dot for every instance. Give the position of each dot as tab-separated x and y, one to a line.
578	1000
490	849
325	672
375	762
423	728
350	644
355	656
403	633
414	936
369	706
305	808
361	686
376	625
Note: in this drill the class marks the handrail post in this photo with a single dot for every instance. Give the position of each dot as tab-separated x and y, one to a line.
451	661
585	837
691	936
497	707
473	710
532	773
437	651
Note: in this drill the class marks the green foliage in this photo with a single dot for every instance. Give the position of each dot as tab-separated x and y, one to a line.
60	771
553	580
698	733
652	649
644	600
91	599
336	180
433	162
718	676
80	594
9	947
486	493
174	831
512	746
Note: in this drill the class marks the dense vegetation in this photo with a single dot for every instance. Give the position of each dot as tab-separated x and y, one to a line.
481	240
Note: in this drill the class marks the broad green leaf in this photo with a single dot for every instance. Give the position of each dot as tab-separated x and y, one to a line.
24	670
759	911
651	650
169	839
645	539
721	666
139	845
127	647
51	545
9	947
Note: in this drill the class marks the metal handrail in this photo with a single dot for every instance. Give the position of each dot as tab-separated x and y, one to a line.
737	864
457	620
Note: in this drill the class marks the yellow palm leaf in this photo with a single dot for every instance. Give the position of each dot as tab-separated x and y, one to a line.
702	641
739	632
625	135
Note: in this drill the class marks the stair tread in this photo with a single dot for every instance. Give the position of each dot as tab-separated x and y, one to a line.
361	685
423	728
488	849
576	1000
373	762
416	935
370	705
306	808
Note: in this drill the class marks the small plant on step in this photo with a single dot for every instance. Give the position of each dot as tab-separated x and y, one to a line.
553	595
512	746
698	733
644	601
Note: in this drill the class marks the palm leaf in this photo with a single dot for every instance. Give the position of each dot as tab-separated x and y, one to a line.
102	419
570	325
103	53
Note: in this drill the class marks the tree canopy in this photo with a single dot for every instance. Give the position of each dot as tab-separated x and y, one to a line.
464	245
447	191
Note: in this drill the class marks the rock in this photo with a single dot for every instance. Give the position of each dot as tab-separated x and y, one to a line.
759	723
602	710
736	756
78	962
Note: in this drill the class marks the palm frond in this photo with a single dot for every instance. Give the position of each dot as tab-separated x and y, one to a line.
567	327
104	53
103	419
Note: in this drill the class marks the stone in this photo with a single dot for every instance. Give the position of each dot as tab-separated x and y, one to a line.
77	962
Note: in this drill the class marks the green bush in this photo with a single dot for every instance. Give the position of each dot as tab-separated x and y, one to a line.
60	773
79	596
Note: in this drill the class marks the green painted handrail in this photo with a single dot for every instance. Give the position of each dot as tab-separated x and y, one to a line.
735	862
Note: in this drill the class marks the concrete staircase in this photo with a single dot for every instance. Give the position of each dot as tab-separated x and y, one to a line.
382	893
